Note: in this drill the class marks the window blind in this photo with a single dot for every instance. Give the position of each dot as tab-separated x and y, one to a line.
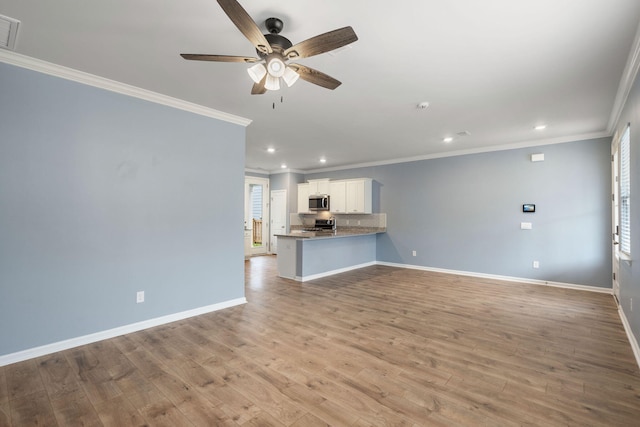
625	194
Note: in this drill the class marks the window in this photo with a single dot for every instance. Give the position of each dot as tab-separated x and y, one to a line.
625	194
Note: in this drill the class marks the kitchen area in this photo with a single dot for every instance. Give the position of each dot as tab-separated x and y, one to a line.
333	231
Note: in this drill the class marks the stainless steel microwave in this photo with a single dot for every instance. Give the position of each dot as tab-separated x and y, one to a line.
319	202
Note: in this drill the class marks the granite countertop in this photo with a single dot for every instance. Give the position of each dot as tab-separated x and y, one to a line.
341	232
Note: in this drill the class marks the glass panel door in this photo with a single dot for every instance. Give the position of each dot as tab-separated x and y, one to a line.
256	220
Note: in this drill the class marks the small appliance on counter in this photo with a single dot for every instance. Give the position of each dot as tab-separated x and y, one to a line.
319	202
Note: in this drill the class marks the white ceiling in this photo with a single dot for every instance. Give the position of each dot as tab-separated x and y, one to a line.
494	68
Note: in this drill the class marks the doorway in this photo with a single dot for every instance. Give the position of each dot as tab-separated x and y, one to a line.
256	216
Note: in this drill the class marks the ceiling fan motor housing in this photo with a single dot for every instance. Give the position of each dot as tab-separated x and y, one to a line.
278	43
274	25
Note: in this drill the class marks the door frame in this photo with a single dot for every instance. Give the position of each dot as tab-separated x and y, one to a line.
615	216
248	220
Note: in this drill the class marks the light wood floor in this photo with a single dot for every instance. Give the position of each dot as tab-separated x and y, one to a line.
378	346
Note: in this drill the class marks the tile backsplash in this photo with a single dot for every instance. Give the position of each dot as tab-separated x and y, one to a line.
377	220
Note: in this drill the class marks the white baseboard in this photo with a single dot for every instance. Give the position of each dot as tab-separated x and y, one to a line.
632	338
503	278
332	272
31	353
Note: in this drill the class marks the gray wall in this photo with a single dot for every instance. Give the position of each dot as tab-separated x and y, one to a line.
629	279
103	195
463	213
287	181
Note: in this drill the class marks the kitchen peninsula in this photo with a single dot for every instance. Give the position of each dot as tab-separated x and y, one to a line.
306	255
310	255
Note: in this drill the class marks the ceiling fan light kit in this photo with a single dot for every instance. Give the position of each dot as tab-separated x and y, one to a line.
290	76
275	50
275	65
257	72
272	82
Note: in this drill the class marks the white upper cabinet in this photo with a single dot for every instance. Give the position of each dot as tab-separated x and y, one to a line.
351	196
319	186
346	195
303	198
338	194
358	195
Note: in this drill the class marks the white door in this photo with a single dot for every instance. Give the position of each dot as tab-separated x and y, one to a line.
278	217
256	215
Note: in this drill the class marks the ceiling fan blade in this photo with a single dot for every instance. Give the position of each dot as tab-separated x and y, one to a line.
219	58
322	43
245	24
315	76
258	88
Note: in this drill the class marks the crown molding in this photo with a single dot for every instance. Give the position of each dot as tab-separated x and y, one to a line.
502	147
626	83
23	61
287	170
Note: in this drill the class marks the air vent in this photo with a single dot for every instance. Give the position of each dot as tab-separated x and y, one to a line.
8	32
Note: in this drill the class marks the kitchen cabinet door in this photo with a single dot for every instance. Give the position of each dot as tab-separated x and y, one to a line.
337	202
303	198
319	186
358	196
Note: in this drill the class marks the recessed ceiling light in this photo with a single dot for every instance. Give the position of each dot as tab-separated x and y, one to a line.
447	139
271	150
283	166
323	160
540	127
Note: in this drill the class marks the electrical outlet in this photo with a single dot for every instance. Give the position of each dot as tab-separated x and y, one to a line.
536	264
358	222
414	253
347	222
139	297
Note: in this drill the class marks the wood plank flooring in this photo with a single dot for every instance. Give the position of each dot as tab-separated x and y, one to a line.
379	346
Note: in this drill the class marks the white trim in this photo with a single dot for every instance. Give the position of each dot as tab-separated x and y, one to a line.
332	272
31	353
597	289
622	256
259	171
287	170
55	70
632	338
503	147
626	82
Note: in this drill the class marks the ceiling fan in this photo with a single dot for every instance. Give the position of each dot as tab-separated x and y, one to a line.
275	50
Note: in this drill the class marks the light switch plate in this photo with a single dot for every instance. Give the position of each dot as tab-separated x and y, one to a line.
525	226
